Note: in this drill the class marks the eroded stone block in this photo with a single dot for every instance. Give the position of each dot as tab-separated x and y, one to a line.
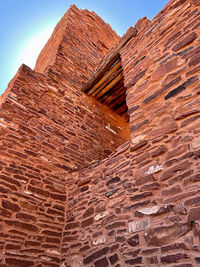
138	225
166	234
100	240
154	169
101	215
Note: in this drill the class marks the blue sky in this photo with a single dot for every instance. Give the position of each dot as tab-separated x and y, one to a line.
26	25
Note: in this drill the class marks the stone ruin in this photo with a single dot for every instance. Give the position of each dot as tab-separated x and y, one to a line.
100	146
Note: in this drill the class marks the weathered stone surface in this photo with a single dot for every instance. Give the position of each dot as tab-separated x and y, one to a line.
149	187
176	152
196	143
166	234
9	205
88	212
136	78
135	127
101	215
72	225
173	247
194	214
192	201
100	240
87	222
115	225
155	210
171	171
186	41
138	225
113	259
140	196
152	260
190	120
166	129
116	201
138	139
24	226
163	69
171	191
19	262
110	193
113	180
159	150
181	87
74	191
101	262
145	179
133	241
134	261
161	91
174	258
154	169
84	181
96	255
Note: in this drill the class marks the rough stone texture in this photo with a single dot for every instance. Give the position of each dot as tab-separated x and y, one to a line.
152	185
136	206
166	234
78	43
47	129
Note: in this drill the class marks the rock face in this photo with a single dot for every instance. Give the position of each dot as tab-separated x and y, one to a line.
67	197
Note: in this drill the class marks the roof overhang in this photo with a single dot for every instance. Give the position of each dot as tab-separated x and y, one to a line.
107	84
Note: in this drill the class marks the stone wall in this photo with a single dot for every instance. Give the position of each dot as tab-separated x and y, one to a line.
47	129
78	43
141	205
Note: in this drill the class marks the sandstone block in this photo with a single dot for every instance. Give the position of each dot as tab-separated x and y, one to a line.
166	129
18	262
155	210
133	241
144	180
166	234
96	255
101	262
162	70
174	258
100	215
113	259
161	149
140	196
138	225
134	261
196	143
116	201
113	180
186	41
88	212
100	240
154	169
87	222
194	214
11	206
152	260
110	193
171	191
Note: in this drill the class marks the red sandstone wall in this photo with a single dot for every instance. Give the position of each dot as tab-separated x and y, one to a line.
78	43
141	205
32	183
47	128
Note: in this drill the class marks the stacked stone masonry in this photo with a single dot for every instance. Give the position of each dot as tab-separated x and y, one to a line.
76	188
48	128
